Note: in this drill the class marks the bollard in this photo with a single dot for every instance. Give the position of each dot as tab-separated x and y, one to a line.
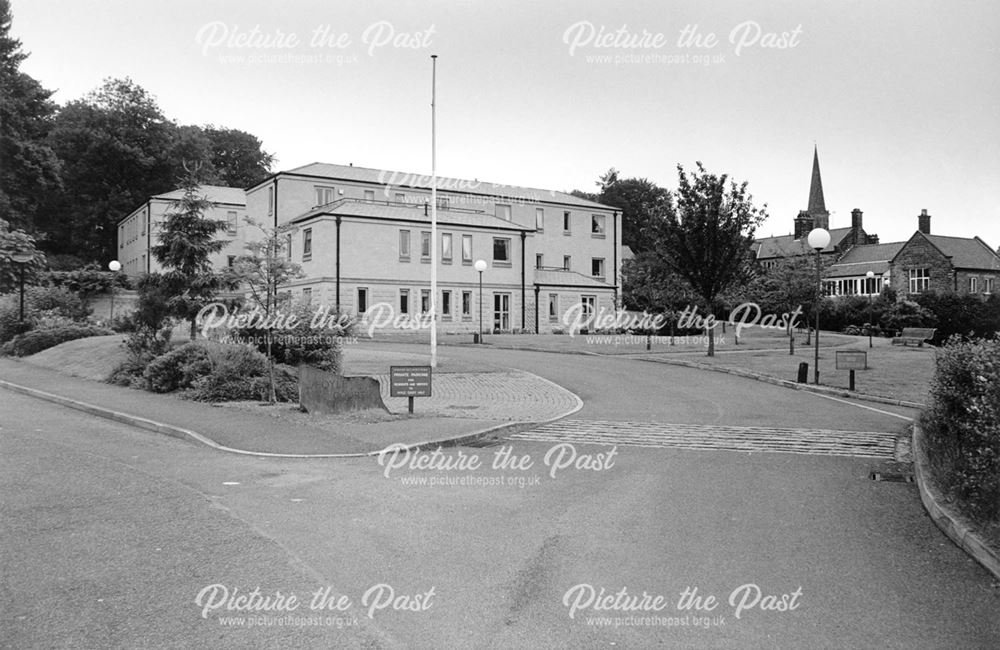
475	337
803	372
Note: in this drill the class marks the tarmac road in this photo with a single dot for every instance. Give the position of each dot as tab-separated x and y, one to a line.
109	535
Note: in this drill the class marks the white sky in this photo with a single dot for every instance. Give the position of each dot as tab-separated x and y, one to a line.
900	96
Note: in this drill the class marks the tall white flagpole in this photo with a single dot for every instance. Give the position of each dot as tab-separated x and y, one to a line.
434	241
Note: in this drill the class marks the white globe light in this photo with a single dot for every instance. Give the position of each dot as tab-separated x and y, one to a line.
115	265
480	265
818	238
870	274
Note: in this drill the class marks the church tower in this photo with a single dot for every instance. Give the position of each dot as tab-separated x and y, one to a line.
817	206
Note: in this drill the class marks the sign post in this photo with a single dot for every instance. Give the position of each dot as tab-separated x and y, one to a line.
409	382
852	360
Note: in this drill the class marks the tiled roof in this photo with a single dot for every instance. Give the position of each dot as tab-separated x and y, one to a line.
409	212
861	259
787	245
445	184
967	253
560	277
215	193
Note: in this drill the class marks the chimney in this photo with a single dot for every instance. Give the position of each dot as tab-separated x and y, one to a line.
856	226
803	224
924	222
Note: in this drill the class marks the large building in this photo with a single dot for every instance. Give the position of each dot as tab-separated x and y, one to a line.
925	262
363	239
137	232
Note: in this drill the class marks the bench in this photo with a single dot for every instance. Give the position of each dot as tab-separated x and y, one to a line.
914	335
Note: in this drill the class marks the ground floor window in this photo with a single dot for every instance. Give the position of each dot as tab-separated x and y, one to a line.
501	312
553	307
425	301
467	305
920	280
404	301
362	300
446	303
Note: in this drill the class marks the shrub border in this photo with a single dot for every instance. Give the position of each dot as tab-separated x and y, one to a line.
950	523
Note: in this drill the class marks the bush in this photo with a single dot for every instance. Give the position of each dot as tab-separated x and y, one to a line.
10	319
141	346
321	347
59	300
963	314
177	369
42	339
962	425
906	314
217	372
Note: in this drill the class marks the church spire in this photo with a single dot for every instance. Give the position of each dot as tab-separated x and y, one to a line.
817	206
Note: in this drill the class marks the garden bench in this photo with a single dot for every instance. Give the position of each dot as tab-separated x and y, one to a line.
914	335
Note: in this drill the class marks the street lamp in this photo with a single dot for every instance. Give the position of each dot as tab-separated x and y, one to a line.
870	281
115	266
818	240
480	266
21	258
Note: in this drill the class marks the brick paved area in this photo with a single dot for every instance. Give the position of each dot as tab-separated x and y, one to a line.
510	395
688	436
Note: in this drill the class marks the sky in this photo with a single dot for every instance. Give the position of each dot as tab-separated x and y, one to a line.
899	97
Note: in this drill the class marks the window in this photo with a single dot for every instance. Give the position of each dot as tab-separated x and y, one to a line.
539	258
446	247
539	219
307	295
503	211
230	222
920	280
446	303
404	245
597	267
987	285
566	261
230	261
270	199
325	195
362	304
566	222
553	307
973	285
369	195
442	203
425	245
404	301
467	249
501	250
288	245
307	244
597	225
425	301
400	197
467	304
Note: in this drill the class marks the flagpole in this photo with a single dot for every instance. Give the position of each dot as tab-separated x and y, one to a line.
434	242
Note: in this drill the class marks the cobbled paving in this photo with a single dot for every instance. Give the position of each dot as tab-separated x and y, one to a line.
868	444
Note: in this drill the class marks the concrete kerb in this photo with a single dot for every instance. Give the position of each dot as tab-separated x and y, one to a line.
193	436
950	524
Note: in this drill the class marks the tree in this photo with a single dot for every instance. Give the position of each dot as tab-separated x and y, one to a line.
114	145
651	286
14	241
237	157
789	283
639	200
29	169
707	239
186	243
265	268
